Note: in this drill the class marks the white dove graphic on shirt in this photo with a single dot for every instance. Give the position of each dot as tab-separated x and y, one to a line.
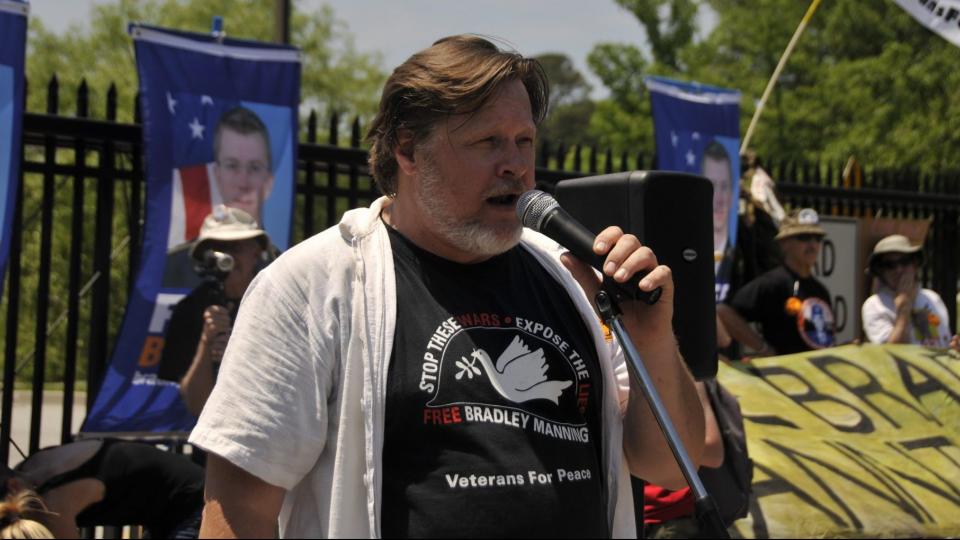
520	375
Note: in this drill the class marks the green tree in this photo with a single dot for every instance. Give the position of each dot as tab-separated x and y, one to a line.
622	122
865	79
335	76
669	24
567	85
570	106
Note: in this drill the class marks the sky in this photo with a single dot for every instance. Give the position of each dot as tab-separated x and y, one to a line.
397	29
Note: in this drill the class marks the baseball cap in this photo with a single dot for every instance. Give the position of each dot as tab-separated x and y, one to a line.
226	224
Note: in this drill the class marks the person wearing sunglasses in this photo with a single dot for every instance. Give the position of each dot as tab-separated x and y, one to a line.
902	311
791	307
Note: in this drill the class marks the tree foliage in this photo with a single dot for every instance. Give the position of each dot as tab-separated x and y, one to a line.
335	76
567	85
570	105
623	121
865	79
669	24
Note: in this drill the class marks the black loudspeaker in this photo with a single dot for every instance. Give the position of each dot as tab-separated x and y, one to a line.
672	213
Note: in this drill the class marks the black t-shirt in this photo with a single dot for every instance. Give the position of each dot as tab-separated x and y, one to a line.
494	396
799	326
144	486
184	329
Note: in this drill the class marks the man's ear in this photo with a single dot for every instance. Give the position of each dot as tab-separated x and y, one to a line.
405	151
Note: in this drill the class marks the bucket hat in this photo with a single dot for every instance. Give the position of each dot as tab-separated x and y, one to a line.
895	243
227	224
803	221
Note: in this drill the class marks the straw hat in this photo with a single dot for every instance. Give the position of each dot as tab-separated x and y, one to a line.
227	224
895	243
803	221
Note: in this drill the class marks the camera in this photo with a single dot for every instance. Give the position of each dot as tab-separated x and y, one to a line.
214	265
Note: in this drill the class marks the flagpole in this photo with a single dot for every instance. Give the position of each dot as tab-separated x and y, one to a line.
776	73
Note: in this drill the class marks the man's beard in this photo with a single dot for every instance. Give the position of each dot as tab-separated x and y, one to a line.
471	235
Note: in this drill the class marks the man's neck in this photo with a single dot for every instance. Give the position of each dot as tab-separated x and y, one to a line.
403	218
799	268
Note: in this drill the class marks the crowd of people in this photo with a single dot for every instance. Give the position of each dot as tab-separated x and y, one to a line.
784	309
393	375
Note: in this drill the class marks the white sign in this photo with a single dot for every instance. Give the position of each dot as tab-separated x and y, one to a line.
841	272
941	16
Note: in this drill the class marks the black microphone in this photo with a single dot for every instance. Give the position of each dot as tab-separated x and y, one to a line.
542	213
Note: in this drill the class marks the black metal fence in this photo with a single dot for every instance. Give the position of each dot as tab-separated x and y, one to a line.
79	218
903	194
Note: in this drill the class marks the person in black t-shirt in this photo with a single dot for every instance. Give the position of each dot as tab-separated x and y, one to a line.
227	252
791	306
431	368
111	483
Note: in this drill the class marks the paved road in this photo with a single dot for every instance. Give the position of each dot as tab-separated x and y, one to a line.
50	419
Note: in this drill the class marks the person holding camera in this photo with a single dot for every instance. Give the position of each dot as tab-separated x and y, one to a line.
902	311
227	255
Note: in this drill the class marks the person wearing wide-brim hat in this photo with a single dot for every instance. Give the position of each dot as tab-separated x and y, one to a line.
225	227
223	224
902	311
803	223
229	252
790	305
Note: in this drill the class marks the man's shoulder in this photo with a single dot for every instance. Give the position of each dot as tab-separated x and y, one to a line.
766	281
933	297
178	268
322	249
317	262
875	304
777	273
931	294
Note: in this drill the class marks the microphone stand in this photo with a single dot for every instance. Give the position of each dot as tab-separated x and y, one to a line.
706	509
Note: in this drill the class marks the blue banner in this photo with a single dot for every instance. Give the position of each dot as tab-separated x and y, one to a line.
13	39
697	130
199	94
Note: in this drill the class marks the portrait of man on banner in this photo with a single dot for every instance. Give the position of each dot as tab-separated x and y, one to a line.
697	131
230	160
718	166
235	154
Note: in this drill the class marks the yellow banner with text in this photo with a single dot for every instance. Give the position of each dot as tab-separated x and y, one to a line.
852	441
